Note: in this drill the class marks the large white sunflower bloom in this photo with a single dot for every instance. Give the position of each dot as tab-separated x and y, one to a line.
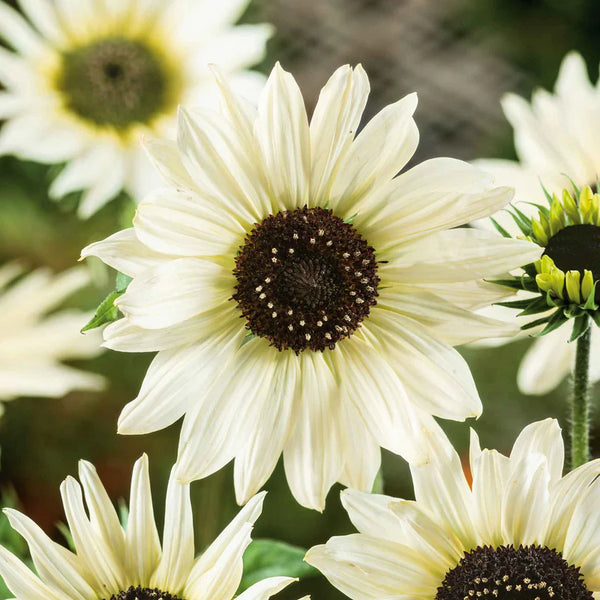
302	298
557	137
113	562
32	343
521	530
87	78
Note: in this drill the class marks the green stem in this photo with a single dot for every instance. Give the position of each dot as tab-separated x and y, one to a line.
580	406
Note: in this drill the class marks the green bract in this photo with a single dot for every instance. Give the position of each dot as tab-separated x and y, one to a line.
562	284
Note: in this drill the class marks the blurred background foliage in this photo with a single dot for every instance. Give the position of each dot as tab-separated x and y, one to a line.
461	56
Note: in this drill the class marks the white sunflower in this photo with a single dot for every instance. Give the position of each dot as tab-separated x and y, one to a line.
87	78
301	296
520	531
557	137
112	562
33	343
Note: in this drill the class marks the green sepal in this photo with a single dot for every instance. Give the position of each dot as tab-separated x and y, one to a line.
270	558
557	319
349	220
580	325
590	303
538	322
531	271
518	283
553	300
522	221
575	188
536	306
248	338
546	193
516	304
595	317
107	312
499	228
543	209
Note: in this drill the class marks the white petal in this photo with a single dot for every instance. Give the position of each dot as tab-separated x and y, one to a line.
246	516
379	397
164	154
435	376
378	153
334	124
43	16
143	544
175	291
264	589
546	363
17	32
436	194
179	223
103	516
58	567
104	189
371	514
543	437
363	567
313	457
124	252
176	379
269	429
362	461
442	490
178	539
220	424
459	255
92	549
526	502
21	581
283	135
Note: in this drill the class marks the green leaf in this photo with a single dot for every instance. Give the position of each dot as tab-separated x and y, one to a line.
107	312
270	558
499	228
350	220
596	318
122	282
580	326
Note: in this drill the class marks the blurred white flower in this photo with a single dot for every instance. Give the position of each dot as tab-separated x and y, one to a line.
32	343
557	137
130	563
88	78
302	297
518	530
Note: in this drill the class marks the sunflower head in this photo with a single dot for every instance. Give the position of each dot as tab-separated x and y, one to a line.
117	82
563	280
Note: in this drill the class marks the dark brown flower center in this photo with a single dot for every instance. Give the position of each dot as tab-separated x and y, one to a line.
140	593
305	279
576	247
508	573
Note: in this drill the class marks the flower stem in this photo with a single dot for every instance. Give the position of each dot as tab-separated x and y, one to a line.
580	405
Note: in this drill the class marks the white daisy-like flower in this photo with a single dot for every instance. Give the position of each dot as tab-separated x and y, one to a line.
302	298
33	343
520	531
88	78
557	137
115	562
